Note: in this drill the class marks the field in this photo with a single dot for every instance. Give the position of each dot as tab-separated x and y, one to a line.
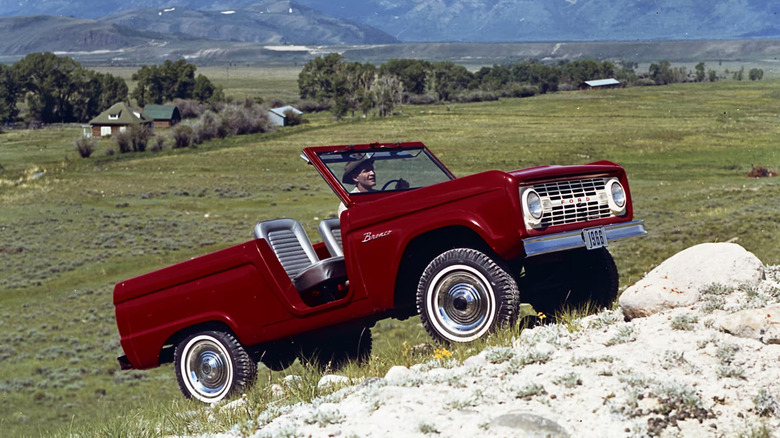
73	227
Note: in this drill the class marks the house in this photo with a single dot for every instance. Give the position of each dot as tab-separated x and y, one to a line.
278	116
117	119
600	83
163	116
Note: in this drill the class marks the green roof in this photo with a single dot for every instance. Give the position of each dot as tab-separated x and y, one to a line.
119	114
162	112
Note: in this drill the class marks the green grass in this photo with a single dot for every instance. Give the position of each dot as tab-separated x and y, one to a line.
71	233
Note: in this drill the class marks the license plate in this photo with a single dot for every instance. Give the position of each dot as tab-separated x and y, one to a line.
594	238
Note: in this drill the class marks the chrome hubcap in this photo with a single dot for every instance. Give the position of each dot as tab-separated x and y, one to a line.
208	368
462	303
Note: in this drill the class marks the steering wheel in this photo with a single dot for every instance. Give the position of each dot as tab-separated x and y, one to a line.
384	187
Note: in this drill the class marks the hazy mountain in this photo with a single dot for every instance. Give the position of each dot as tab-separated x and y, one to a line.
265	22
27	34
490	20
561	20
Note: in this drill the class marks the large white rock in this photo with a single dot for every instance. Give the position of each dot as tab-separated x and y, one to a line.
677	281
760	324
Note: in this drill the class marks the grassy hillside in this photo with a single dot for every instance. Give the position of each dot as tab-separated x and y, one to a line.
73	227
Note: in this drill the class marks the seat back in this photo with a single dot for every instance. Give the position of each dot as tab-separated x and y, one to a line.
289	241
330	232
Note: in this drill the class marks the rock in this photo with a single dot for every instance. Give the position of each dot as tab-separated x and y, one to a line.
331	380
277	391
397	372
676	282
528	425
291	380
760	324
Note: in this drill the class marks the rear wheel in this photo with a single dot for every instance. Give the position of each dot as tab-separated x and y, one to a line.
463	294
212	365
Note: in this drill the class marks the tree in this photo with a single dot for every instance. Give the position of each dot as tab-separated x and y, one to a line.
700	75
412	73
9	93
205	91
448	79
712	75
318	79
662	73
756	74
164	83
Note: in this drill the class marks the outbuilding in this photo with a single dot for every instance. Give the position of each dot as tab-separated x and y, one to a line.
163	116
600	83
279	115
117	119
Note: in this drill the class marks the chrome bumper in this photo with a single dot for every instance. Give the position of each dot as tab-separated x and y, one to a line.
535	246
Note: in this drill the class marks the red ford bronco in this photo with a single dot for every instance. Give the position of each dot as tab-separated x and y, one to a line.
460	252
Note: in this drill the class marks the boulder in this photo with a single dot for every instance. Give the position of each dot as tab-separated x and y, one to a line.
677	281
524	424
761	324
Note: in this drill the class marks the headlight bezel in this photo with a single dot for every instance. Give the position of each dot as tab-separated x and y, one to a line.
617	197
533	207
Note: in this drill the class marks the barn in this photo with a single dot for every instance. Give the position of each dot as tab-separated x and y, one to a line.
163	116
117	119
600	83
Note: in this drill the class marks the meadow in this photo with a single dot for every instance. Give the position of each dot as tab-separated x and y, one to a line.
71	228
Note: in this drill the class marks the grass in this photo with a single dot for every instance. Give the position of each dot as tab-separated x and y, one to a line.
71	232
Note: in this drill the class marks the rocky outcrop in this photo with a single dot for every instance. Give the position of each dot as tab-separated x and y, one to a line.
677	282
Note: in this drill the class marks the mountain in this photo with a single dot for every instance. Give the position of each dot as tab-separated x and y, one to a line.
26	34
265	22
486	20
561	20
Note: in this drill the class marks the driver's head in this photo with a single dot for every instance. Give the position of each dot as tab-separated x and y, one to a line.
361	173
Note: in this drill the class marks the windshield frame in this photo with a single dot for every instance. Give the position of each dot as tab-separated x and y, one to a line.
318	157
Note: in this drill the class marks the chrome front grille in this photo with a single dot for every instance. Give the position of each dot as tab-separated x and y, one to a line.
568	202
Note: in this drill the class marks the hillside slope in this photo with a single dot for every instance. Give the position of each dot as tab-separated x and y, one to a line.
267	22
682	371
491	20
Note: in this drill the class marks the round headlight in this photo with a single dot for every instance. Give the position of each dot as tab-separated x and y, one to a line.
617	195
533	204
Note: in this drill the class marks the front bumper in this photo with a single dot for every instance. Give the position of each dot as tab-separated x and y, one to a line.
567	240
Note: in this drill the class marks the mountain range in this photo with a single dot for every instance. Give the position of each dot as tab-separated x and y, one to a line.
383	21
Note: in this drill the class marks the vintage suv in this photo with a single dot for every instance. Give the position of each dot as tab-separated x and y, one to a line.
460	252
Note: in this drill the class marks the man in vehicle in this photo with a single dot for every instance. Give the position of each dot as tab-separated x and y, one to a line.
361	174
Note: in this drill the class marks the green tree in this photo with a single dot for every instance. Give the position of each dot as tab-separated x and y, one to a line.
739	75
319	78
756	74
449	78
412	73
712	75
164	83
10	91
662	73
700	75
205	91
46	79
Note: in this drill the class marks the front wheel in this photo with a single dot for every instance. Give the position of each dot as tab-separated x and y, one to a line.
463	294
212	365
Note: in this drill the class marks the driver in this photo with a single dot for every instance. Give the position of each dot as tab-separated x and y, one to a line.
361	174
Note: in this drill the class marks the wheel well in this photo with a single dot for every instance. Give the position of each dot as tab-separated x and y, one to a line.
169	347
419	253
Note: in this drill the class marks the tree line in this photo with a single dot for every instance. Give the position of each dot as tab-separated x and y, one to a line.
59	90
343	86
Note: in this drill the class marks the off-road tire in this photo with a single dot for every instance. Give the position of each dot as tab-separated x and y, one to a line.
577	278
463	294
212	365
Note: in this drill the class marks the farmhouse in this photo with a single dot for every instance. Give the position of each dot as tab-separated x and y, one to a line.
278	116
600	83
163	116
117	119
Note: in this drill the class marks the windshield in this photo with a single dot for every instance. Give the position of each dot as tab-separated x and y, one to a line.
401	169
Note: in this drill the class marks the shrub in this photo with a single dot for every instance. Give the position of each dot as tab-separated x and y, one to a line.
139	137
293	118
85	146
209	126
123	141
158	145
182	136
189	108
